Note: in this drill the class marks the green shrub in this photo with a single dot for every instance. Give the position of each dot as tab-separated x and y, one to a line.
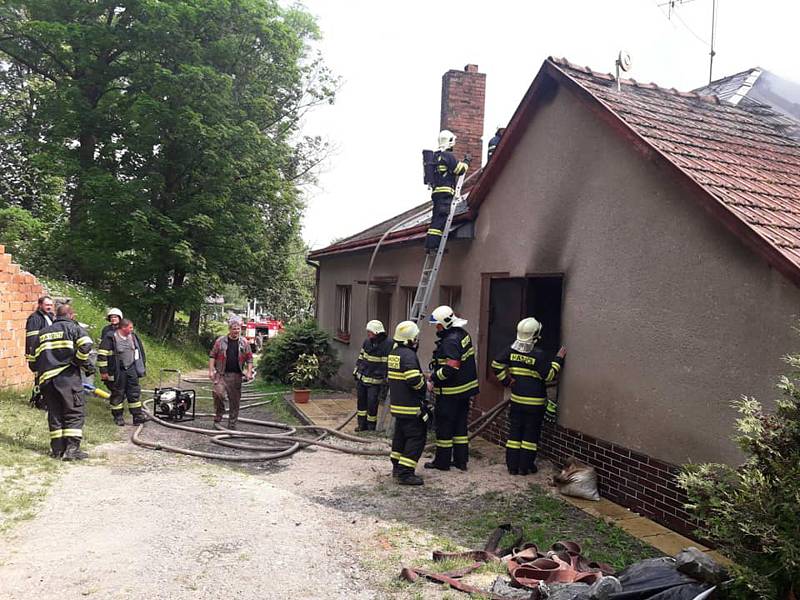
281	353
752	512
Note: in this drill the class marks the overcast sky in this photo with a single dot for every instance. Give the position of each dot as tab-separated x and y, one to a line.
391	57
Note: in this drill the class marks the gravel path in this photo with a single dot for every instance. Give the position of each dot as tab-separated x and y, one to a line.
136	524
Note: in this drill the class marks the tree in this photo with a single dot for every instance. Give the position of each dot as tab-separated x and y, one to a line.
175	125
752	512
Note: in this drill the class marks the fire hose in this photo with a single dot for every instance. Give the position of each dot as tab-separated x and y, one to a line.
277	445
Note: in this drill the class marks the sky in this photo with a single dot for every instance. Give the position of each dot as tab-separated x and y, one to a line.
391	56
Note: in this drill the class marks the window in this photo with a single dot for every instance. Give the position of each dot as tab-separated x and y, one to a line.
343	296
451	296
408	299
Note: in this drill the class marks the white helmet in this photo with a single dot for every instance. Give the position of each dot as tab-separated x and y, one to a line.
444	316
375	326
113	312
405	332
528	330
447	139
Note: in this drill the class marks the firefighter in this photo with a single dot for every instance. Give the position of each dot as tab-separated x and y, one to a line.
498	135
446	171
39	319
454	381
122	362
113	316
370	374
527	370
407	404
62	352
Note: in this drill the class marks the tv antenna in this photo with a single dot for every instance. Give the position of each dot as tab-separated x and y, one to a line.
672	4
623	63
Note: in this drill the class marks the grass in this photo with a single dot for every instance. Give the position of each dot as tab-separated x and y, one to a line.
544	519
26	470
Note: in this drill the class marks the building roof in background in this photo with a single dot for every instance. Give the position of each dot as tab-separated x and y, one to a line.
732	89
742	158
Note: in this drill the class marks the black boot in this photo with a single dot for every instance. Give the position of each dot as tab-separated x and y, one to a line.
73	450
139	418
460	466
409	478
57	447
119	420
362	424
432	464
372	424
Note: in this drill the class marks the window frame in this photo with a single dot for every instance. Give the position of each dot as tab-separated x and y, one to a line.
344	308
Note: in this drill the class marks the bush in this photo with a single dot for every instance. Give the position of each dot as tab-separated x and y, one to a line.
752	512
281	353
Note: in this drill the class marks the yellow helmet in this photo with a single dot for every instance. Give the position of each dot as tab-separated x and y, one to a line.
405	332
528	329
447	139
375	326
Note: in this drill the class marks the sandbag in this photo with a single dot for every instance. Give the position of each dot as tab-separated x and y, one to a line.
578	480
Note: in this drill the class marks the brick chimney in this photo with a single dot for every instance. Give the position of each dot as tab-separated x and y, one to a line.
463	101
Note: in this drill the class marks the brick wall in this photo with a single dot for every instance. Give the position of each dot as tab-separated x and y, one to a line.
463	101
642	483
18	294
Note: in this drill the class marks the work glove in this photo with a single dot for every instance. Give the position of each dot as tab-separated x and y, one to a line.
550	414
467	158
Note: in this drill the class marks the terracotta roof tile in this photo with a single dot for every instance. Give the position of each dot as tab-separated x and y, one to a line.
742	156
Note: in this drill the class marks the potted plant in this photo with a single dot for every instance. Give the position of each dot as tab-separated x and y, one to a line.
306	370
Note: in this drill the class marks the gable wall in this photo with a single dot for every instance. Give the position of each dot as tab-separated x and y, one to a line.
667	317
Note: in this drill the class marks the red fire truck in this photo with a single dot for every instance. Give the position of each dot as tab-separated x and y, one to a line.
257	331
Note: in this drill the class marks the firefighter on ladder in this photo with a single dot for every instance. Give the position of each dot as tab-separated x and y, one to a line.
408	406
454	381
446	172
527	370
62	352
370	374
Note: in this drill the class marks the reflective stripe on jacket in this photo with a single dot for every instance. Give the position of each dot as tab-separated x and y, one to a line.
530	373
406	383
371	364
61	345
454	373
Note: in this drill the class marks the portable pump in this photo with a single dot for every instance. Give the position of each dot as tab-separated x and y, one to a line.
173	403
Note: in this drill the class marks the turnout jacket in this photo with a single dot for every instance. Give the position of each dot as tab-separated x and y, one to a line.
406	383
63	347
446	170
528	374
371	366
35	323
108	361
453	371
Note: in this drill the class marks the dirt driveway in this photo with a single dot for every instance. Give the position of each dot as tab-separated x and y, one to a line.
137	524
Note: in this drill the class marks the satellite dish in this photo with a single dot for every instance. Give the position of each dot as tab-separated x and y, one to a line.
624	61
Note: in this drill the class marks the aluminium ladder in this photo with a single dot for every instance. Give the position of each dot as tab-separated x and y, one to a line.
430	269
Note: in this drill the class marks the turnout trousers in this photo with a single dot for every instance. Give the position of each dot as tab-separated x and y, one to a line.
525	427
441	209
126	387
452	443
65	411
408	443
230	386
367	409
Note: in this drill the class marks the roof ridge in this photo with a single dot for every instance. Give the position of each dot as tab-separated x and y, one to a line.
563	62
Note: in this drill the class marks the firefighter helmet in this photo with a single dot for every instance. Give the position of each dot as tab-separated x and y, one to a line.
113	312
529	330
406	332
375	326
447	139
444	316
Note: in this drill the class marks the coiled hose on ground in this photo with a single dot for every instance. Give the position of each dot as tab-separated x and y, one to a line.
280	443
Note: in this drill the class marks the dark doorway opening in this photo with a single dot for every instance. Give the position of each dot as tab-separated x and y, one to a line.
514	298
